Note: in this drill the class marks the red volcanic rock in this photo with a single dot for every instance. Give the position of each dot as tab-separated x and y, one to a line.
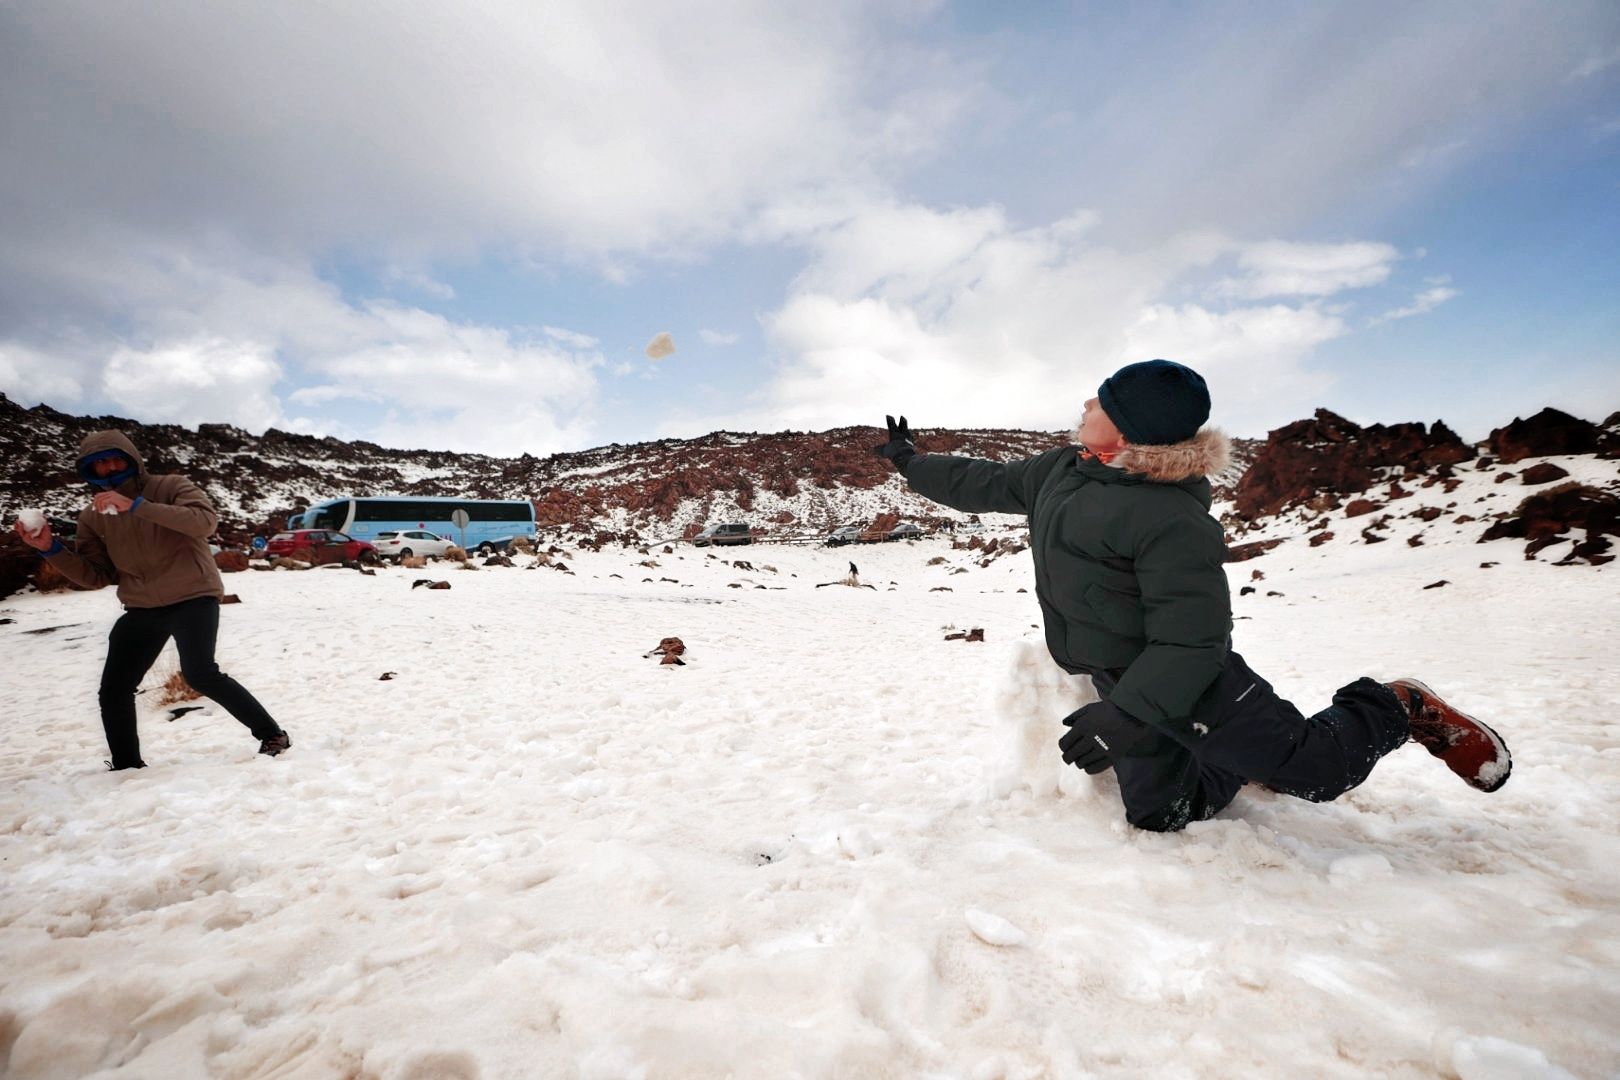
1426	513
49	579
1358	507
671	649
1321	538
18	562
1548	432
1546	516
1545	473
230	562
1252	550
1329	454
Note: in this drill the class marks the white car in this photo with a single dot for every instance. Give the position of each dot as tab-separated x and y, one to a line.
397	545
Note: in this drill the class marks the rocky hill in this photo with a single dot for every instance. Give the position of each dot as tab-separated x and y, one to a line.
784	482
1317	481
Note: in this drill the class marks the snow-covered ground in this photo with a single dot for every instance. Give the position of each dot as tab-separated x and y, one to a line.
833	844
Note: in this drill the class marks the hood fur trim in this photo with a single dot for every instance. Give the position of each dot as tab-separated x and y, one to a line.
1205	454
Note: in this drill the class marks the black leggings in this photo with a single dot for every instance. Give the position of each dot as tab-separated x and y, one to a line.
133	646
1252	734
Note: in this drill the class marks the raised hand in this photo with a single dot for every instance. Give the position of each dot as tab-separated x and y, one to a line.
39	541
899	449
111	502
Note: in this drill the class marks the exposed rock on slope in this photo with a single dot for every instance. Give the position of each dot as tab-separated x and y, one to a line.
1329	455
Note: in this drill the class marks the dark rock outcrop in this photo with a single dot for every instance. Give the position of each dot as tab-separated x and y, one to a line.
1328	453
1547	432
1546	517
18	562
1544	473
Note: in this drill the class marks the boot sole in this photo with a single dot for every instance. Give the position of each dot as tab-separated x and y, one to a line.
1503	759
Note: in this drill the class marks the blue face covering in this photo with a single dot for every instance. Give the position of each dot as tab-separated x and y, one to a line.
88	472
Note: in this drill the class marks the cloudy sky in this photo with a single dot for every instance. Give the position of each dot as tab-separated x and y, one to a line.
459	226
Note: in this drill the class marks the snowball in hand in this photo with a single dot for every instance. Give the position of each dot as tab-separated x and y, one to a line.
32	521
660	346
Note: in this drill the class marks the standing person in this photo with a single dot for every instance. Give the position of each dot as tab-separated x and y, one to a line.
149	535
1128	573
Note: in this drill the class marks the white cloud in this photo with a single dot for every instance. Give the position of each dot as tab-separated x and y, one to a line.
565	129
572	338
1423	303
419	280
33	375
990	325
472	387
1279	268
717	338
327	393
212	379
1594	65
210	339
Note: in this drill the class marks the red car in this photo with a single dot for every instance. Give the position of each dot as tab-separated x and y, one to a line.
319	546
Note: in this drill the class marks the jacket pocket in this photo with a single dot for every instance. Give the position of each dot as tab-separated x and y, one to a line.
1120	612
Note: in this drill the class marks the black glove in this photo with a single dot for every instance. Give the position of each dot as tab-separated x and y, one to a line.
899	449
1099	734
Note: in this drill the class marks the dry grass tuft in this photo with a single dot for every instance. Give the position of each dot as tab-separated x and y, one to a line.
176	689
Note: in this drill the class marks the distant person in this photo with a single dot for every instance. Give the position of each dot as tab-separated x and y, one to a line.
149	535
1128	573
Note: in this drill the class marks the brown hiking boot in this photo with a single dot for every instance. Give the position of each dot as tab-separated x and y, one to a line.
1469	748
275	744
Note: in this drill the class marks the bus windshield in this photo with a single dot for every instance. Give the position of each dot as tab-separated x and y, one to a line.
332	515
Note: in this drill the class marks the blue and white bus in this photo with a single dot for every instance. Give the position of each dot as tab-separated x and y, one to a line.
492	523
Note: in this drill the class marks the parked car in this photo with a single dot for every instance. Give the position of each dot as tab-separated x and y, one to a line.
904	531
848	534
734	533
320	546
406	542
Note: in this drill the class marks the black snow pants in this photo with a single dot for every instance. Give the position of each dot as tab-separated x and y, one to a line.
133	647
1247	732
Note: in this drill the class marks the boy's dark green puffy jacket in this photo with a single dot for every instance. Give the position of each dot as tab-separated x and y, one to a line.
1128	561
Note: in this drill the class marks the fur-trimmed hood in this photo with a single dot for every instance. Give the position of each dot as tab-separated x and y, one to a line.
1205	454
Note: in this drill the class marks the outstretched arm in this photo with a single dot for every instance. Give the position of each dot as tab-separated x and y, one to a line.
87	564
968	484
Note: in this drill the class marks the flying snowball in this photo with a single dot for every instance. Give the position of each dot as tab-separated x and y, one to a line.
660	346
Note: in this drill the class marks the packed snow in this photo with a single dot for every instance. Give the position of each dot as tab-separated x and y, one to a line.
832	844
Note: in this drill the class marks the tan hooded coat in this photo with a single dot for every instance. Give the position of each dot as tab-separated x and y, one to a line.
156	554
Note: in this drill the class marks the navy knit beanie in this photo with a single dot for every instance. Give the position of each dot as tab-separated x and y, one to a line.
1155	402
